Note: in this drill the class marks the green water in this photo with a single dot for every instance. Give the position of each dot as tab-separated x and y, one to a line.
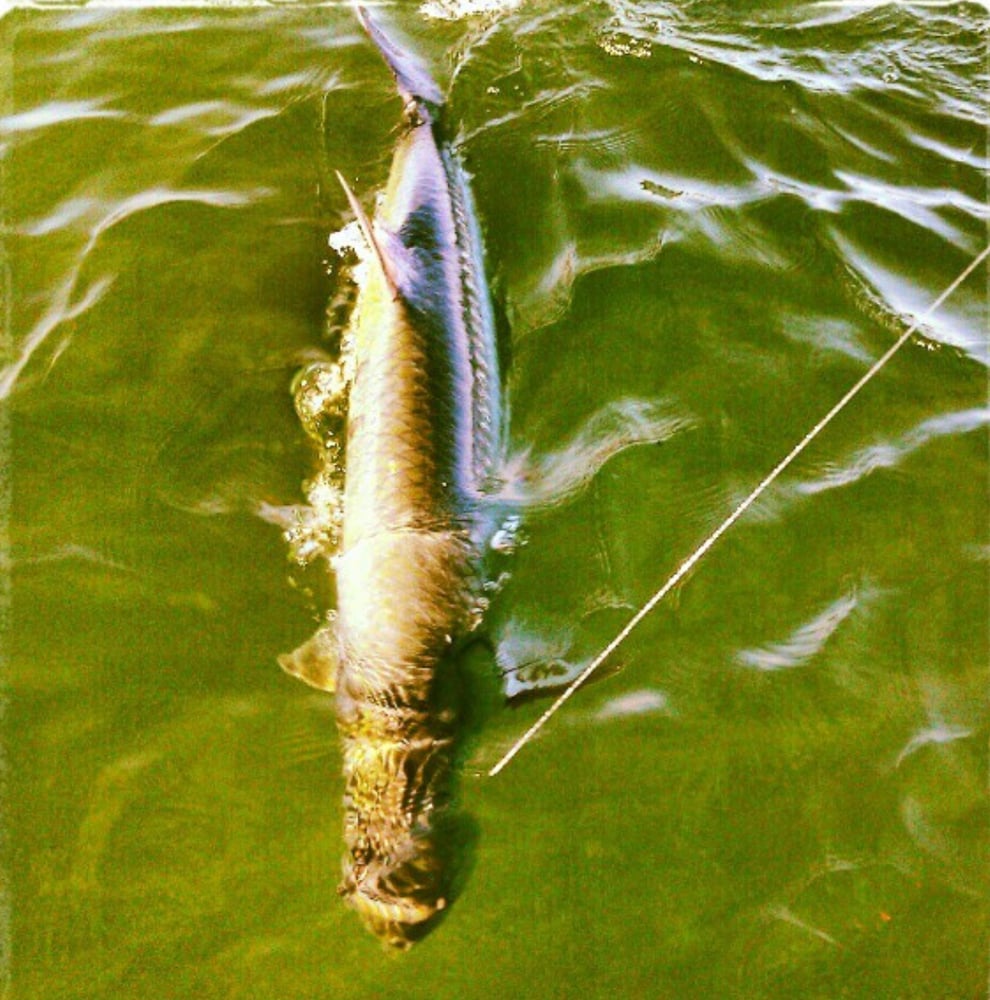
778	787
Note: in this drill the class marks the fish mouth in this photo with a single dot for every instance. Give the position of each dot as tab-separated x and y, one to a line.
397	906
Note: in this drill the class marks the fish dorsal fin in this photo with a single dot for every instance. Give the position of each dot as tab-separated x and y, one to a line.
385	259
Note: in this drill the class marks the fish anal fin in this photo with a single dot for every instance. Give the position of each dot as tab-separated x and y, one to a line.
315	661
375	243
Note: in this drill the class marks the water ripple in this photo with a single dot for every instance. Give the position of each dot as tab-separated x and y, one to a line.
891	50
826	333
61	310
541	106
556	477
889	454
550	297
56	113
101	215
806	641
959	323
964	156
645	702
98	217
213	118
932	736
918	205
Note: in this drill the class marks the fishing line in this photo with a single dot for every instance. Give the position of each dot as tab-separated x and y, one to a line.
689	563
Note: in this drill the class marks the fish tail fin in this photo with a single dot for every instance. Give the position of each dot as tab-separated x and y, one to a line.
416	85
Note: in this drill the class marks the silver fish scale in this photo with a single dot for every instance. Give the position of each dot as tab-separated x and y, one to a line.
403	455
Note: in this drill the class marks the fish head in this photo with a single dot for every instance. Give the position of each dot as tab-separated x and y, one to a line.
395	869
398	894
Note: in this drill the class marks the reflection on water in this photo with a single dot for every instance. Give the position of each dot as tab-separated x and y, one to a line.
806	641
889	455
548	480
704	222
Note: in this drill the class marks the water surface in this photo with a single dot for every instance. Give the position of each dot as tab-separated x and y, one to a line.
708	218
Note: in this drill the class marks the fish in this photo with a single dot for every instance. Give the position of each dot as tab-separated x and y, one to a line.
424	444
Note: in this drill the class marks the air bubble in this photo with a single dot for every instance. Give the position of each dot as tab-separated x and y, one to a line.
507	539
319	392
494	586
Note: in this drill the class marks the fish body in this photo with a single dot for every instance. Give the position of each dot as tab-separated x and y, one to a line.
424	438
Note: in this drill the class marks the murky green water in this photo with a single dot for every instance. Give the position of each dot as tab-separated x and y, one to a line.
721	213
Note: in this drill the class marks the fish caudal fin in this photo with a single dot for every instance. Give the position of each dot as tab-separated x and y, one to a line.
413	80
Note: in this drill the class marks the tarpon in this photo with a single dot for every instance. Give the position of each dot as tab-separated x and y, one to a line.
423	445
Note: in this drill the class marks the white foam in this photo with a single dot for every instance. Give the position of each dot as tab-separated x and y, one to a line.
454	10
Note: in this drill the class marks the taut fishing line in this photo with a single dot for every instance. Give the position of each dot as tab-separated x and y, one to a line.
692	560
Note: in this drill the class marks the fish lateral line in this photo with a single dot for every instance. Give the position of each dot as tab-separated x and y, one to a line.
695	557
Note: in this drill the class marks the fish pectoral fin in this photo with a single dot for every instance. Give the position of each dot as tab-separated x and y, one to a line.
315	661
383	254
